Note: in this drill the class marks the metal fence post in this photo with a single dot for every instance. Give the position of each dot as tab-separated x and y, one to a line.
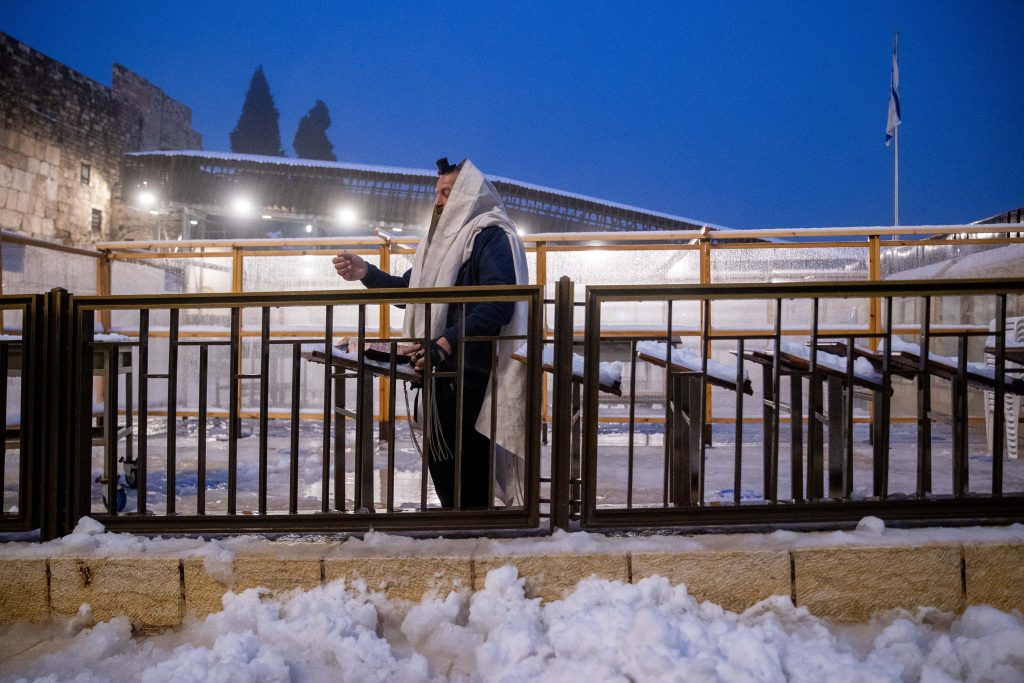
561	426
63	374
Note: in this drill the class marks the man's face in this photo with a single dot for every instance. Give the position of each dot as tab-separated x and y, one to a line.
445	184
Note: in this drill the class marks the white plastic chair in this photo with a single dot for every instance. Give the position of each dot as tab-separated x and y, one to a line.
1011	402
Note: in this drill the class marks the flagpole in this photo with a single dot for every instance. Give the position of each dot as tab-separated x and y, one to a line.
896	158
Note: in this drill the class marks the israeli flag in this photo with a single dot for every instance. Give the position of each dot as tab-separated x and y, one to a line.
894	97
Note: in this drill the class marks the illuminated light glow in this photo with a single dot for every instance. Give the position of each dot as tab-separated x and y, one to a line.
266	217
596	258
347	216
146	198
154	212
309	228
193	222
241	206
397	229
520	231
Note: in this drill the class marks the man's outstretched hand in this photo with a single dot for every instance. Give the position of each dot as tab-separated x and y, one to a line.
350	266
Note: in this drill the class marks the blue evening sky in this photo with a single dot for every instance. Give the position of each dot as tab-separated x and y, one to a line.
745	114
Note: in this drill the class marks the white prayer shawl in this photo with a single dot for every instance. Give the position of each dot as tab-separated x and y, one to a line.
473	205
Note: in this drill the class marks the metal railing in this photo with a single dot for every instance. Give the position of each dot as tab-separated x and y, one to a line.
27	382
821	491
61	428
73	354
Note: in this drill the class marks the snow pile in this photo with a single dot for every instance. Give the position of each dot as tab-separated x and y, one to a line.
609	373
691	360
113	338
862	368
604	630
983	369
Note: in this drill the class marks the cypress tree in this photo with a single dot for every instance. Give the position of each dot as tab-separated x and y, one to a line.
311	137
257	131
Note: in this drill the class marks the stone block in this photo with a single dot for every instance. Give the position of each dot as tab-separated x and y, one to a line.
405	578
275	574
203	591
148	591
995	575
12	199
550	577
24	202
33	165
22	180
852	583
23	590
52	155
9	220
26	145
735	580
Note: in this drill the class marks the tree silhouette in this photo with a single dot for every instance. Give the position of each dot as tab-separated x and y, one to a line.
256	131
311	137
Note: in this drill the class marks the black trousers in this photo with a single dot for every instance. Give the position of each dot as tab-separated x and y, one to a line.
476	460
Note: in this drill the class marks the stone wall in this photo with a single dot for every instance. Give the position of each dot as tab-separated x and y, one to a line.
841	583
166	123
62	137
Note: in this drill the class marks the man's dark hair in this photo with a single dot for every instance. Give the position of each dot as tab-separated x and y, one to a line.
444	168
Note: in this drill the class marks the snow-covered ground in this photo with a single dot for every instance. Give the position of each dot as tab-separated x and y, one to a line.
612	473
612	470
602	631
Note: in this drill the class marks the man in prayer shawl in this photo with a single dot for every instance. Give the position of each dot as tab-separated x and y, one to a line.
471	241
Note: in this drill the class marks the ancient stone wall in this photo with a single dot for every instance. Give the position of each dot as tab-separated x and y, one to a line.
62	137
166	123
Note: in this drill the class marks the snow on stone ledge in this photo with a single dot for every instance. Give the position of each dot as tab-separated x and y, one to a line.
90	539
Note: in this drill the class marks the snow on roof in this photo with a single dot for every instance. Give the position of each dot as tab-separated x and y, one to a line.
418	172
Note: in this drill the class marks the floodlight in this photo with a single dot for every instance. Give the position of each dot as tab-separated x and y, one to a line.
396	229
241	206
145	198
266	217
309	228
193	222
347	216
